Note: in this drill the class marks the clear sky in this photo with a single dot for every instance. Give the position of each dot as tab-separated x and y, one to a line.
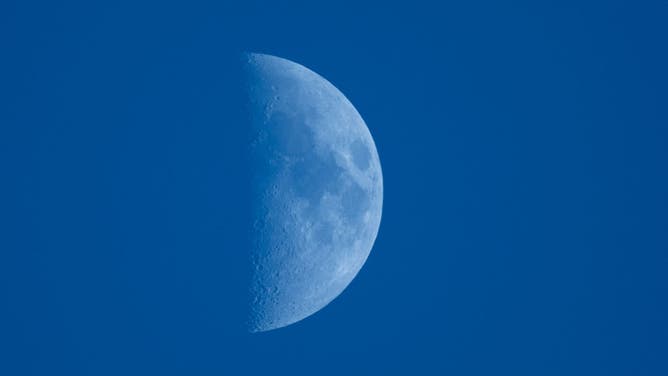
524	148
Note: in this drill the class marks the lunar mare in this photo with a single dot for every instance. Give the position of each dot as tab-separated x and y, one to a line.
316	187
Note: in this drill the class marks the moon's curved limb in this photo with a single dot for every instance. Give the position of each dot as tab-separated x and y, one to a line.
317	191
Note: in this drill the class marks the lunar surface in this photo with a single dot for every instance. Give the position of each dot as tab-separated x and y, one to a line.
316	187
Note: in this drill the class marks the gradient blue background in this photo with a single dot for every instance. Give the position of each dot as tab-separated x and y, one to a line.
524	146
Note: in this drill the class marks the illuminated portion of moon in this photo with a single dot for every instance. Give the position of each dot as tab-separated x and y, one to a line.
317	192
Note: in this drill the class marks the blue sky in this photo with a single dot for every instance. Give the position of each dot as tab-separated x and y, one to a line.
523	145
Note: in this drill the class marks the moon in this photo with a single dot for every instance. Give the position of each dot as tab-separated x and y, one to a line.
316	187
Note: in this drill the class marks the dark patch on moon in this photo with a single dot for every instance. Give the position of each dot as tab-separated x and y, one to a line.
361	154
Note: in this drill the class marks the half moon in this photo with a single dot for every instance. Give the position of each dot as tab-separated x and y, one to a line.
317	192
